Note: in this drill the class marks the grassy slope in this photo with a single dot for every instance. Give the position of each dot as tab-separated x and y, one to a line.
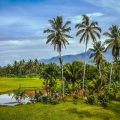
63	111
8	84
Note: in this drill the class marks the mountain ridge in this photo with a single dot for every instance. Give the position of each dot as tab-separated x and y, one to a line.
76	57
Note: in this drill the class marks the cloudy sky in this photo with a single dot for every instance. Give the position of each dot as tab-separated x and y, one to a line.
22	23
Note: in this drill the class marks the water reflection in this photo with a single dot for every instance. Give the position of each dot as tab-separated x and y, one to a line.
9	100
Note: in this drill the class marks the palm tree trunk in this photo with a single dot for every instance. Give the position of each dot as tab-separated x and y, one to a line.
46	87
83	84
100	71
100	74
61	64
110	81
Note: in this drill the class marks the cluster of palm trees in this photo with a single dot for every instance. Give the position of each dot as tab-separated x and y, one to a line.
22	68
59	35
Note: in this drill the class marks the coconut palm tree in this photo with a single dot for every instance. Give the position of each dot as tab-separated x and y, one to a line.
72	73
97	54
58	36
50	74
113	42
87	30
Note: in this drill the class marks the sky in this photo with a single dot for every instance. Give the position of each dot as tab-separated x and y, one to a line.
22	23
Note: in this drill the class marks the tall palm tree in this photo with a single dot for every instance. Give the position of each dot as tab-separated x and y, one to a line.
113	42
58	37
97	54
88	30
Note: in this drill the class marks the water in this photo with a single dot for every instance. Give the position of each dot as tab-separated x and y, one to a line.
8	100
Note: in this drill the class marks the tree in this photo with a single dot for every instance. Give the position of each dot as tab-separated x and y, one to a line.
36	66
113	42
58	37
72	73
50	74
21	67
97	55
87	30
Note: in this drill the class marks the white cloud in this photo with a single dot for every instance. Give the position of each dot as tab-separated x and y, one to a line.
78	18
97	14
24	42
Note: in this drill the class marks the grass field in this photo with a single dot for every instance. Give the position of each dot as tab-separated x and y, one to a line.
62	111
9	84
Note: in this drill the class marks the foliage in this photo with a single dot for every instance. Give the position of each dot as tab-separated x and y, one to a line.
90	99
103	98
19	95
37	96
75	99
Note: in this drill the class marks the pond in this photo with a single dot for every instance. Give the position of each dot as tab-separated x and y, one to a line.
9	100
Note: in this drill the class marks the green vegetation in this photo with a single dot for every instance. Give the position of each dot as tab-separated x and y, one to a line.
62	111
87	30
78	83
9	84
58	37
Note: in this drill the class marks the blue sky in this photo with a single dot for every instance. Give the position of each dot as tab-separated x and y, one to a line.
22	23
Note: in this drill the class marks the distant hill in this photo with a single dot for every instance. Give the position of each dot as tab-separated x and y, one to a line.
77	57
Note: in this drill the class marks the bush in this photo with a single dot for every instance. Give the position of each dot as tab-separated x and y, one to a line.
45	99
103	99
75	99
54	102
118	96
38	96
90	99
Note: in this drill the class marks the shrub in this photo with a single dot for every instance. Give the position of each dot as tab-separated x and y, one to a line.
75	99
19	95
118	96
38	96
45	99
103	99
54	101
90	99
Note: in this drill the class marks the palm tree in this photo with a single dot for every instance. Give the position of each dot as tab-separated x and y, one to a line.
58	37
50	74
97	54
72	72
87	30
113	42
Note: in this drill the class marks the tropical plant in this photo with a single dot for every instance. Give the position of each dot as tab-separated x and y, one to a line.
87	30
103	98
58	37
19	94
97	55
113	42
72	73
50	74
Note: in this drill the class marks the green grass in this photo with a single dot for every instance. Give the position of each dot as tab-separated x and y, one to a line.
9	84
62	111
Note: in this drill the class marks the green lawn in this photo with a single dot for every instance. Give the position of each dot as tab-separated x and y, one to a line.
62	111
9	84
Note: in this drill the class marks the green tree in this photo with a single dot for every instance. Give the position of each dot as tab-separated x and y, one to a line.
50	74
88	30
97	55
113	42
58	36
72	72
